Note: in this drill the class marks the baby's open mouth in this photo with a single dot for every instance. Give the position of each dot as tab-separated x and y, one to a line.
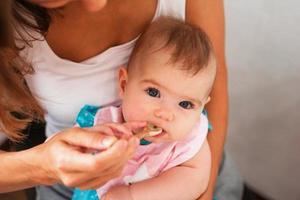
148	131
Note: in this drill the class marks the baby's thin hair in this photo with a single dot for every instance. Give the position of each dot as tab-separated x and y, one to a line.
188	44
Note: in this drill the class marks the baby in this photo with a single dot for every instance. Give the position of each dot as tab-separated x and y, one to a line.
167	83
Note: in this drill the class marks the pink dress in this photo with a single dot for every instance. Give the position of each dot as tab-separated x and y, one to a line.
151	160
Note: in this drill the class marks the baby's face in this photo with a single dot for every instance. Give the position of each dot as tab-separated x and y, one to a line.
160	93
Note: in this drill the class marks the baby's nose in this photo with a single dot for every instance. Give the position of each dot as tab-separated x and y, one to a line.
164	114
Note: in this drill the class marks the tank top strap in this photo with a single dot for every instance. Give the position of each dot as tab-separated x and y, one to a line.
173	8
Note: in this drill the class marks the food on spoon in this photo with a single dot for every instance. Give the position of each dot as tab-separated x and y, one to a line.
147	131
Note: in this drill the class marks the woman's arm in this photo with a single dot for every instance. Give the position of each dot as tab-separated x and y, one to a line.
18	171
209	15
186	181
61	160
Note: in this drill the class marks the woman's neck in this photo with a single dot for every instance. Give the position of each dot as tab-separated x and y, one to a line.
77	34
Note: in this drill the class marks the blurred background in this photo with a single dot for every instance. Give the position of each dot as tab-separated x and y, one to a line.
263	57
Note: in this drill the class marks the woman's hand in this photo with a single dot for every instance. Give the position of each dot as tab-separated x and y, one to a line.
63	157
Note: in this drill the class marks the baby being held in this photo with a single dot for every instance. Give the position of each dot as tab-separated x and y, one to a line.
167	83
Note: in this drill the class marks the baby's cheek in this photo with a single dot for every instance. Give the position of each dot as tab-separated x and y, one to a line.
130	114
133	112
178	130
185	127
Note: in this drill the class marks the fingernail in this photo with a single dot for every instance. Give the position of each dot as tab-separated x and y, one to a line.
108	141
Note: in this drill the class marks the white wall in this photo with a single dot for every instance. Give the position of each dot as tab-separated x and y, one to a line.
263	56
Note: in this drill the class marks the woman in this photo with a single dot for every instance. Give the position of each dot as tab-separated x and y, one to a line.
56	161
81	45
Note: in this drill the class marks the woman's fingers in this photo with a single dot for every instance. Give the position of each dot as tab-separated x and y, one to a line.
120	130
78	179
101	129
82	181
68	148
72	160
117	155
67	154
125	130
117	129
65	160
95	139
135	125
85	168
111	172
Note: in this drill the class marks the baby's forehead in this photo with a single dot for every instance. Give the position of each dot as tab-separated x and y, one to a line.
164	71
160	59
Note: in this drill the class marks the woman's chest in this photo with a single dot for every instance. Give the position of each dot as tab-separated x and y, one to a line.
63	87
79	37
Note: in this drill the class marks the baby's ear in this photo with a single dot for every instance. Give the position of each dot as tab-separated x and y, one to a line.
207	100
122	80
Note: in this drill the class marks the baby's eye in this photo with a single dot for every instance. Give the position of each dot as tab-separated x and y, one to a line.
153	92
186	104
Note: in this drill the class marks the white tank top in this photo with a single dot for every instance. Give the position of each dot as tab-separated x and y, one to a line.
62	87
